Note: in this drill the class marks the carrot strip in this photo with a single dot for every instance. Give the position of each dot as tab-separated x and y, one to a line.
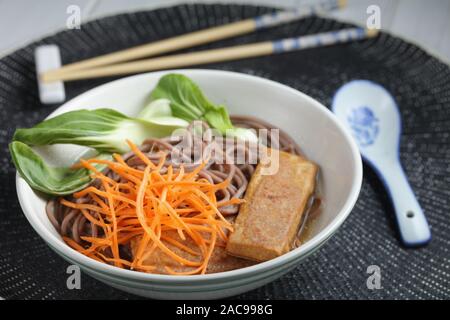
83	206
158	212
179	245
73	244
139	153
149	231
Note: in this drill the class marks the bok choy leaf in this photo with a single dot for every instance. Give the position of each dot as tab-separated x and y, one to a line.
188	102
50	180
105	130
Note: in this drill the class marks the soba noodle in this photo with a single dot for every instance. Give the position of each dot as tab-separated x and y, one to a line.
73	224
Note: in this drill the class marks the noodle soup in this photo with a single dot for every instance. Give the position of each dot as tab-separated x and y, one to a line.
79	218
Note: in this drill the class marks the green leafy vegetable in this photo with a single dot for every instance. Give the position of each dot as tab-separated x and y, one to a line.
103	129
50	180
176	101
188	102
156	109
159	112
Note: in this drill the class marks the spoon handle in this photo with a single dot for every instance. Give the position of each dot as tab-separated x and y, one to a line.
413	225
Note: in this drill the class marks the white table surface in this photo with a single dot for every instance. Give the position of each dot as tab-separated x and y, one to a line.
425	23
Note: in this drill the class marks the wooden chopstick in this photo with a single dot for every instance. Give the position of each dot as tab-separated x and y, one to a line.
218	55
201	37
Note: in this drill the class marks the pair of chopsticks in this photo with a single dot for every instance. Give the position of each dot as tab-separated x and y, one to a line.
116	63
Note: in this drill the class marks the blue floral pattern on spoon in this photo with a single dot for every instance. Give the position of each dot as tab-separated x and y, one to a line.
364	125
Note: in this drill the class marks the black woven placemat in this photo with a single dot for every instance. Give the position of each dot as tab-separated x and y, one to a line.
419	83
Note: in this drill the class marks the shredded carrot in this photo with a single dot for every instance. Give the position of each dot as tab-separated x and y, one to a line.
171	212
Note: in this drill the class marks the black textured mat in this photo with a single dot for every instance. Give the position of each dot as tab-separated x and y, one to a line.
419	83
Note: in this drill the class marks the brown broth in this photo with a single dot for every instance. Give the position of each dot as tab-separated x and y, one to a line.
306	227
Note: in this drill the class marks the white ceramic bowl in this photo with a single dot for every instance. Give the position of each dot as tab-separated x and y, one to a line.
312	125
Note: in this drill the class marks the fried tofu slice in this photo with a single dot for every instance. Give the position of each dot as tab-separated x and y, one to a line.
270	217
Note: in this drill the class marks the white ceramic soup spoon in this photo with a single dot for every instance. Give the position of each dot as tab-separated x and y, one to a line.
372	116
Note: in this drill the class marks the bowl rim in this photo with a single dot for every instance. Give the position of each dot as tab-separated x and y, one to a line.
325	234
